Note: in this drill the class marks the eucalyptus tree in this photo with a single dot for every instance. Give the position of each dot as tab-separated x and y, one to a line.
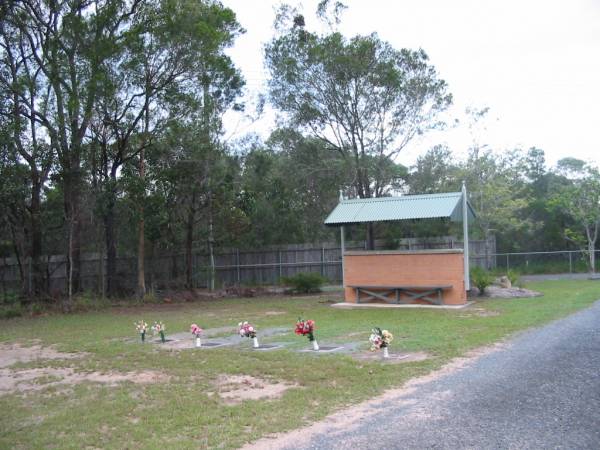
580	199
24	100
15	189
360	96
211	85
434	171
158	77
65	46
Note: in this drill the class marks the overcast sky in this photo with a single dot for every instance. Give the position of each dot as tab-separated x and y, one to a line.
534	63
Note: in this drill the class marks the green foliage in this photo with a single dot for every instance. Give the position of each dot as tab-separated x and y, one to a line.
481	278
304	282
514	276
113	79
579	197
361	97
11	310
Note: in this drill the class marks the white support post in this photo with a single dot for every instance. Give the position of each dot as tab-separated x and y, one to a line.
465	218
343	244
343	251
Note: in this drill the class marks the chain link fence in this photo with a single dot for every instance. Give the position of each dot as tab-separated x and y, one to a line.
541	263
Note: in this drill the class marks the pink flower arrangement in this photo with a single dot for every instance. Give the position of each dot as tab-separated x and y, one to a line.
247	330
196	330
305	328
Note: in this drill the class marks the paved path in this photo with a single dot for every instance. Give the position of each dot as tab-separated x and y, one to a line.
541	390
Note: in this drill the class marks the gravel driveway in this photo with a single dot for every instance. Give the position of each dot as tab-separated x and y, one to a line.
540	390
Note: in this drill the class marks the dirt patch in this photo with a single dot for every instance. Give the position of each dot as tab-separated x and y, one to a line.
274	313
15	353
395	358
499	292
41	378
235	389
359	333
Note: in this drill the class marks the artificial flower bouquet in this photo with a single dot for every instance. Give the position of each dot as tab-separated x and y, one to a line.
307	328
247	330
196	331
380	339
141	327
159	328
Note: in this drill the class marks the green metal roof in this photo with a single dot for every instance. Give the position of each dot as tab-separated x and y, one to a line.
406	207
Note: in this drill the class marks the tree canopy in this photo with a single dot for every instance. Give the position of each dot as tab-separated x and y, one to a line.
112	146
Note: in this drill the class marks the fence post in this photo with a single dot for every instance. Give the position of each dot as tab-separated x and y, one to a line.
322	261
280	268
507	262
237	264
570	262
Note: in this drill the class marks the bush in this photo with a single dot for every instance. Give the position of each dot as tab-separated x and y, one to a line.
10	311
481	278
513	276
304	282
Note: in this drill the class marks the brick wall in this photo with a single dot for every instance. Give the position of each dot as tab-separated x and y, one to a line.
397	268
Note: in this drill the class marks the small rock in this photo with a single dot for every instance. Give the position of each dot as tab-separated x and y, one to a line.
505	282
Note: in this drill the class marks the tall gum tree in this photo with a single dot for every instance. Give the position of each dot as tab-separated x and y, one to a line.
171	61
360	96
580	199
68	43
23	98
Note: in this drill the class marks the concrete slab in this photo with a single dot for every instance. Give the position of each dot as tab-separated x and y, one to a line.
266	347
324	349
394	306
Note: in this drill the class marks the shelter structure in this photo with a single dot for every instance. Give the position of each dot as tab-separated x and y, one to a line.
422	276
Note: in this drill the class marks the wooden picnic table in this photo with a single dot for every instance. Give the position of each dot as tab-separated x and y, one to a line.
413	292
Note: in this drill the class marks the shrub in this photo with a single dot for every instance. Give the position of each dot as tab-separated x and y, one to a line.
304	282
513	276
10	311
481	278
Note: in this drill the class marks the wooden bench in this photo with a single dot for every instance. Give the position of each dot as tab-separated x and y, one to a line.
412	292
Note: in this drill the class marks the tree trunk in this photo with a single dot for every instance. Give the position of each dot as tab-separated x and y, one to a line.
487	249
189	236
72	214
18	253
36	241
211	244
153	267
174	269
591	251
111	248
141	275
370	236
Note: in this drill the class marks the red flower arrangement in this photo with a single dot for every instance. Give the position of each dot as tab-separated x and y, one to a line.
305	328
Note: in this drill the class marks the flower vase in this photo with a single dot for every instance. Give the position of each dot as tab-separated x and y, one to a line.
255	342
386	353
143	335
315	345
198	342
162	337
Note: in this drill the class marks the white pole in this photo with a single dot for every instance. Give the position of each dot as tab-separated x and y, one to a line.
343	251
343	244
465	214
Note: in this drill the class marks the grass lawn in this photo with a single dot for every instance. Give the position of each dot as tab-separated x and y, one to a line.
185	412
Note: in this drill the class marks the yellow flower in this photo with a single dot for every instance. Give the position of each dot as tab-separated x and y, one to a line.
387	336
